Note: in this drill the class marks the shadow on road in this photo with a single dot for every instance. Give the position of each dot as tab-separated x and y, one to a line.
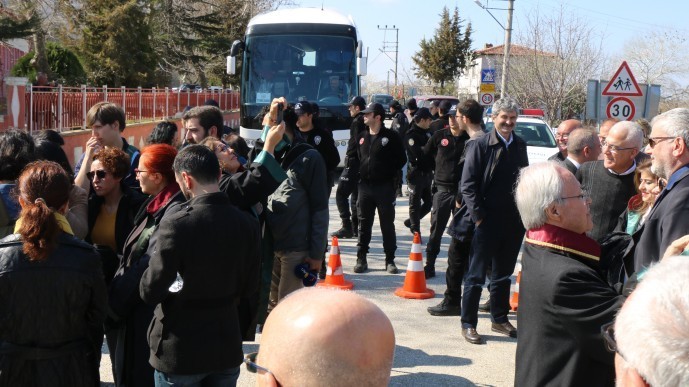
410	357
428	379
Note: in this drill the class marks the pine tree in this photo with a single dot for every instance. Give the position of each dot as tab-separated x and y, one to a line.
444	57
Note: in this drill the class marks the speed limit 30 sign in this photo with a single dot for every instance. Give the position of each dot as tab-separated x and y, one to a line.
621	108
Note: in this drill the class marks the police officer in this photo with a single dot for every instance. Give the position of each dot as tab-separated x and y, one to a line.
318	138
420	170
446	147
349	179
380	154
443	120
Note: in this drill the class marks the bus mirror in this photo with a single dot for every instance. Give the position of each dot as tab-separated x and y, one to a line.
231	65
237	46
361	66
359	49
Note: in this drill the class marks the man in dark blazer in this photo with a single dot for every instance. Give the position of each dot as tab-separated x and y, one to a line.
491	167
207	258
668	220
583	145
563	300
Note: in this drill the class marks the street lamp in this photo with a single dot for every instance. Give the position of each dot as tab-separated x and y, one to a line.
508	38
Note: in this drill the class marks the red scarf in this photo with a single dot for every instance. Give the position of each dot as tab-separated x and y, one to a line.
162	198
564	241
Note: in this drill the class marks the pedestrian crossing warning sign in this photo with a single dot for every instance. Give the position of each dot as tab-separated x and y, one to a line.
623	83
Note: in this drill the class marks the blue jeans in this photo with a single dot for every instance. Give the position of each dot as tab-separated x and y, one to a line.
223	378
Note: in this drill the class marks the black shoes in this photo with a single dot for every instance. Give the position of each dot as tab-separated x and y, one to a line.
391	268
429	271
343	233
505	328
323	270
484	306
445	308
361	266
471	335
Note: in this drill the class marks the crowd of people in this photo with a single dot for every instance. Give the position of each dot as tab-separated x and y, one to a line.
176	253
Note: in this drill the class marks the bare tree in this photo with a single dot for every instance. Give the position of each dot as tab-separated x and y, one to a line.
565	53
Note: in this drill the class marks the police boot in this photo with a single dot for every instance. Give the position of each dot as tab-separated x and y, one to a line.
323	270
345	232
429	269
361	264
390	266
355	226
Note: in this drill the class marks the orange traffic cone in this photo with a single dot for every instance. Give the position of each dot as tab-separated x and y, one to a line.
415	280
334	277
514	299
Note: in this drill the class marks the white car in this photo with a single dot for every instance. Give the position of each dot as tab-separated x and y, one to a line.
540	142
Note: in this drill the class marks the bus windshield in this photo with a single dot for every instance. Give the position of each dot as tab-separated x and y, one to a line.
316	68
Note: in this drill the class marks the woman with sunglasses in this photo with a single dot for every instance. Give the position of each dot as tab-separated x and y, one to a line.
53	295
648	184
130	316
112	206
228	158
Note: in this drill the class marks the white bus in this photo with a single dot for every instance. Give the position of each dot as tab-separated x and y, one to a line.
307	54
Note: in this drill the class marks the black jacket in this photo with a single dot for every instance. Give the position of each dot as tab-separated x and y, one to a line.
130	316
446	151
400	124
214	247
57	307
322	141
380	156
351	166
419	165
440	124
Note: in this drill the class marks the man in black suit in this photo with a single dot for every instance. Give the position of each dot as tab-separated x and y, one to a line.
562	137
563	300
583	145
668	146
208	257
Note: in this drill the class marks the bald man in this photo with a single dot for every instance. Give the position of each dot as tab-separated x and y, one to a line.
324	337
562	136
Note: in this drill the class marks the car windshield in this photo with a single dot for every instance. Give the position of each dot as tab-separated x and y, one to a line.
534	133
383	99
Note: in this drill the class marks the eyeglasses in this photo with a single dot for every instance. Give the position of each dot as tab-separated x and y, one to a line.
251	366
653	141
221	148
565	135
614	148
582	196
138	171
100	173
608	332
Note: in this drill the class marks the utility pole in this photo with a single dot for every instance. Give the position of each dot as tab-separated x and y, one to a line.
391	47
506	56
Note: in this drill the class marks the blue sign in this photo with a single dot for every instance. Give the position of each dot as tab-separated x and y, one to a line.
488	76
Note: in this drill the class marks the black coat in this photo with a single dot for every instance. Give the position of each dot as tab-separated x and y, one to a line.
379	156
563	301
56	306
130	316
214	247
446	150
668	221
419	164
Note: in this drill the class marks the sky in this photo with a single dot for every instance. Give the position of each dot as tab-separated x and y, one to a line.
617	22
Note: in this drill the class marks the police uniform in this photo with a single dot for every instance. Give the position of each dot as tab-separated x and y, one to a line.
379	157
419	175
348	184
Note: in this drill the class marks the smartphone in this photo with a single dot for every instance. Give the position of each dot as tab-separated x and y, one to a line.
278	120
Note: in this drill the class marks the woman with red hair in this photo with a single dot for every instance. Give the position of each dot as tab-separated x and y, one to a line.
52	293
129	350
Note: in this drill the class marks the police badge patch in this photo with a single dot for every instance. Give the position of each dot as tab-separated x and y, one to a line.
411	142
317	140
444	142
361	141
384	141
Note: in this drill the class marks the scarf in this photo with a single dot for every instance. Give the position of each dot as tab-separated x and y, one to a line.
162	198
61	222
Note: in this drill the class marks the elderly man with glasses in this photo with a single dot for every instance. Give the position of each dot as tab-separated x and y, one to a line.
668	219
610	181
564	300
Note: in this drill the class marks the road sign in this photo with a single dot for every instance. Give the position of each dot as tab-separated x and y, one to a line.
487	99
623	83
488	76
621	108
488	88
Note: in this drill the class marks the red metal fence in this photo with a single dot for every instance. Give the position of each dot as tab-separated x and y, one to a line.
64	108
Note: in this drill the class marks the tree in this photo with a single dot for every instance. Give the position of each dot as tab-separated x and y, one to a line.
64	66
445	56
13	27
565	53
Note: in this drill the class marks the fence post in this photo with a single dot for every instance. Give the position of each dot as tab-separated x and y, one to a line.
83	106
124	99
139	91
167	103
154	103
31	123
59	108
105	93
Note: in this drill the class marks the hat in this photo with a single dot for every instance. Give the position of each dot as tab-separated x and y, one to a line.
411	104
445	106
303	107
396	105
375	108
358	101
423	113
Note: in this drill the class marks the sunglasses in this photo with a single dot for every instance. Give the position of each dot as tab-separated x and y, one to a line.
653	141
251	366
100	173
